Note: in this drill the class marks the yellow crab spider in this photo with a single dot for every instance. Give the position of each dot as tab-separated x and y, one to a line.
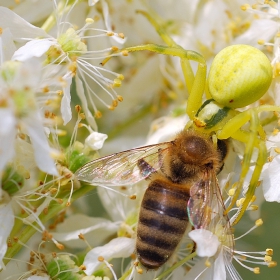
239	76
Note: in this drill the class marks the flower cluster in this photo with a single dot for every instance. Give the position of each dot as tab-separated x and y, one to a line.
62	66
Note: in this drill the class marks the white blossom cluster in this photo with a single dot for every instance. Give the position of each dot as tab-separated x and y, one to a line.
59	103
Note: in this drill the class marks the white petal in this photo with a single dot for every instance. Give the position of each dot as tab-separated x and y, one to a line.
96	230
81	94
7	136
219	268
34	48
34	11
65	108
40	144
271	180
92	2
207	243
264	29
7	46
35	277
165	129
121	247
6	225
19	27
95	140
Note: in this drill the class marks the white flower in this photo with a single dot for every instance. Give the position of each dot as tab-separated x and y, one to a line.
71	56
19	112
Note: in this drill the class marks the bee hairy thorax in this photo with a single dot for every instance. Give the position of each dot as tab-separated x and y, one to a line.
190	157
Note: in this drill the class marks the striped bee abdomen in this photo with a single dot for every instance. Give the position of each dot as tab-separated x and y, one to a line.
163	220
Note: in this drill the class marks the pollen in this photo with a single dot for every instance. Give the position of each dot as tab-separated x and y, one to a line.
125	53
133	197
259	222
82	267
89	20
269	251
207	263
267	259
272	264
231	192
98	114
100	259
81	236
120	98
59	246
117	83
261	42
240	202
245	7
114	48
256	270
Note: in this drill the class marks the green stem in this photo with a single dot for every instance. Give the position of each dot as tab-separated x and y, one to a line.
53	210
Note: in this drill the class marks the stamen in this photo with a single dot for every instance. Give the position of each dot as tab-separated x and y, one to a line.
258	223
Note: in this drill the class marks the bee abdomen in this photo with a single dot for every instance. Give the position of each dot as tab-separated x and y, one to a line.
162	223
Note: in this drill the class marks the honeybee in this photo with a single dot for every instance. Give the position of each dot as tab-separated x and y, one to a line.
182	188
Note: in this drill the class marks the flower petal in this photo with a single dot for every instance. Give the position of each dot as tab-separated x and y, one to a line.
65	107
207	243
7	136
271	180
121	247
19	27
96	230
40	144
219	268
95	140
6	224
34	48
81	94
7	45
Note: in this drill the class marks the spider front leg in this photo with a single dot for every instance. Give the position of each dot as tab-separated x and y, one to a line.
194	83
255	138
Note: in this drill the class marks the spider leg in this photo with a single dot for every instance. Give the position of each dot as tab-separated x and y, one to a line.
255	138
194	83
261	159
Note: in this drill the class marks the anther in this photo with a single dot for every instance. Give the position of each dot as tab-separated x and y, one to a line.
125	53
269	251
114	48
258	222
98	114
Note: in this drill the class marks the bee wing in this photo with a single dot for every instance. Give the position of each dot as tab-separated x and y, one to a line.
206	208
124	168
